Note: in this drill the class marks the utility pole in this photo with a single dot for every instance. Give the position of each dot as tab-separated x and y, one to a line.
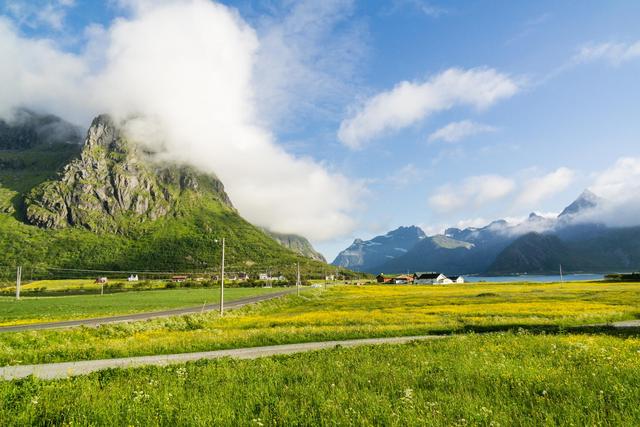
298	281
561	278
18	281
222	282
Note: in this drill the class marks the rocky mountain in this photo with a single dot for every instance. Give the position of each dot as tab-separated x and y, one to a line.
438	253
586	201
27	129
368	255
114	184
107	203
536	245
297	244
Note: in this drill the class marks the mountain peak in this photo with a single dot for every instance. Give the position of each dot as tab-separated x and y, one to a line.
411	230
113	184
587	200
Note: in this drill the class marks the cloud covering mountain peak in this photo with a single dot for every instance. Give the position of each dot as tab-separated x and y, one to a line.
185	72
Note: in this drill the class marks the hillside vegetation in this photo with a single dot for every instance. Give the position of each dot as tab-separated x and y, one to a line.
107	205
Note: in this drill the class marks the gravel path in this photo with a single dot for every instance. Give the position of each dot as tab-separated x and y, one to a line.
69	369
143	316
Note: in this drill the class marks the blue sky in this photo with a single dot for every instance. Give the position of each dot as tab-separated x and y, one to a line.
563	112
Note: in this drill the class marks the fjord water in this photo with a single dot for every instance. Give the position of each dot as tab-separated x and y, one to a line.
535	278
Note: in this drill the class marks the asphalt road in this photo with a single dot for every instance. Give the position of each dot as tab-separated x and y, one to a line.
70	369
143	316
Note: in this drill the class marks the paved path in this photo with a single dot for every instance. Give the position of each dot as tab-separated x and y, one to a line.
144	316
626	324
69	369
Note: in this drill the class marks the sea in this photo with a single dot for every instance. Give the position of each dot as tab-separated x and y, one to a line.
534	278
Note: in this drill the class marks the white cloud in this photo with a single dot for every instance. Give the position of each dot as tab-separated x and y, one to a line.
540	188
619	182
471	223
619	188
456	131
35	13
411	102
475	191
614	53
308	60
189	68
422	6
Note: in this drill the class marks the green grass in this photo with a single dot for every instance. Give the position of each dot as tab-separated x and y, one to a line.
47	309
340	312
497	379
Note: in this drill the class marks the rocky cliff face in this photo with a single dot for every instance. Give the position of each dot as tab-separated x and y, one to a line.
297	244
112	185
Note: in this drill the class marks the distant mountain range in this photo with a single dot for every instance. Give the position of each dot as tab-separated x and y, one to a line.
537	245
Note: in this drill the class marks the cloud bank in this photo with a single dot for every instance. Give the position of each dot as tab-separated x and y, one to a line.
475	191
410	102
540	188
186	68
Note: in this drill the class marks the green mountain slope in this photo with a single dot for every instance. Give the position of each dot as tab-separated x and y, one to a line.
533	252
107	205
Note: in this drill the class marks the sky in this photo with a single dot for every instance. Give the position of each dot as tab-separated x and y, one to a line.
345	119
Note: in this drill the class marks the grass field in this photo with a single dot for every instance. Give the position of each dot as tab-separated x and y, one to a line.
499	379
87	284
46	309
339	313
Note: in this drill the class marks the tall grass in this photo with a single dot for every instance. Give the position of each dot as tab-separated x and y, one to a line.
498	379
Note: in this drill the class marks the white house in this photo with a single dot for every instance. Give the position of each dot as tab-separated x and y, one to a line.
425	278
443	280
133	278
432	278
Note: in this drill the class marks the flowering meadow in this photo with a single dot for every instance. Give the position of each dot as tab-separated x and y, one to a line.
341	312
496	379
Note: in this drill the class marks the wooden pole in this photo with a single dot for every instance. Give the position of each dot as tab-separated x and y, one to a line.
298	281
222	282
18	282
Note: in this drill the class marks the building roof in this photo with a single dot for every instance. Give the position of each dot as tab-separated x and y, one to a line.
429	275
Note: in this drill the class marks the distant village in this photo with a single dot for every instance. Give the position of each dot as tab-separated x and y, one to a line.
242	277
420	278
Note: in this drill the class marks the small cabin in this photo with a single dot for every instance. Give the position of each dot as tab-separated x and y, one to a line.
403	279
133	278
101	280
381	278
179	279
